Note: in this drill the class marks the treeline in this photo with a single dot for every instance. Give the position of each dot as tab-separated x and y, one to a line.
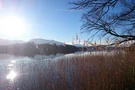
31	49
25	49
54	49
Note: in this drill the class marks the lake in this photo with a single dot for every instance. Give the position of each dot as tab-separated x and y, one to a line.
32	73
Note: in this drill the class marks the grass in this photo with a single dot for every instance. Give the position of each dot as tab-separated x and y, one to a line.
86	72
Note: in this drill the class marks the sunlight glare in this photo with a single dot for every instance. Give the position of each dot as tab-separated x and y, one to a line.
10	65
11	76
13	61
12	26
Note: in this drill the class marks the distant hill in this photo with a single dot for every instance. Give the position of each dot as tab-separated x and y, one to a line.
78	45
36	41
44	41
9	42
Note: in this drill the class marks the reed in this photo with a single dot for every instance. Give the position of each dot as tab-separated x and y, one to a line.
81	72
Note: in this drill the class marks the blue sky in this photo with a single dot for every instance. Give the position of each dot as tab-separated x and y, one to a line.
48	19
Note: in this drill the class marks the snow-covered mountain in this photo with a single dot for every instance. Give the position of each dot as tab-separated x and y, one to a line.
44	41
36	41
78	45
9	42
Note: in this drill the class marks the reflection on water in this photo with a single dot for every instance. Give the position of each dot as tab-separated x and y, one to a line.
13	61
10	65
28	73
11	75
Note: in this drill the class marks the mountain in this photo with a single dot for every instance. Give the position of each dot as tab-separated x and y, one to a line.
78	45
44	41
36	41
9	42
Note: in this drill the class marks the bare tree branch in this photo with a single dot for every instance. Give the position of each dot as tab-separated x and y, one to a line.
108	17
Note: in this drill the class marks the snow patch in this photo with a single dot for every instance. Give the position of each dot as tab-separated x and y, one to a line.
44	41
78	45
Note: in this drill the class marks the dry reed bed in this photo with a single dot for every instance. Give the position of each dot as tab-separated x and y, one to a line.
91	72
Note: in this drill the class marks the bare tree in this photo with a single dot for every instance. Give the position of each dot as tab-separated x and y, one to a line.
113	19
